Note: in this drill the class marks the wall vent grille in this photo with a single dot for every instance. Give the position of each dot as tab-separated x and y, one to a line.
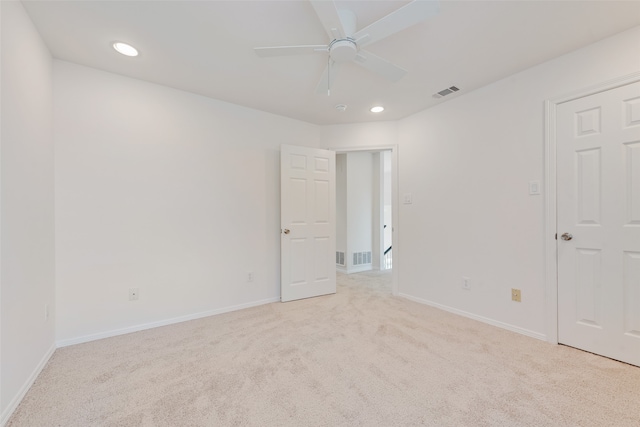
445	92
361	258
340	258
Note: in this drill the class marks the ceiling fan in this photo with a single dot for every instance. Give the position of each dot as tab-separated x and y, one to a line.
346	42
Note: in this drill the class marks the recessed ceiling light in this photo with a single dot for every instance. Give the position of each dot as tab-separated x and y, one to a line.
125	49
377	109
341	107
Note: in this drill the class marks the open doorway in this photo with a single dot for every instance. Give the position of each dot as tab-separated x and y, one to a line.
364	211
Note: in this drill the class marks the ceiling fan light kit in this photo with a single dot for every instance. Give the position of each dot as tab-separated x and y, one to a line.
346	42
343	50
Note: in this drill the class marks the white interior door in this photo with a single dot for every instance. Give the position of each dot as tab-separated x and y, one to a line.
598	190
308	222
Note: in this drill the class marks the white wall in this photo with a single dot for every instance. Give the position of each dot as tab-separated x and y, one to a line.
467	163
359	135
341	206
26	200
162	190
359	207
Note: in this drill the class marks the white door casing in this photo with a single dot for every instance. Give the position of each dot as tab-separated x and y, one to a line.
395	203
308	224
598	203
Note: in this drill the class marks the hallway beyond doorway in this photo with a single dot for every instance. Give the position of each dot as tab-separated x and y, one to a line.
375	280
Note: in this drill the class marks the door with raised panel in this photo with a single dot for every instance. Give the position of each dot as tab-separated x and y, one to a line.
308	225
598	202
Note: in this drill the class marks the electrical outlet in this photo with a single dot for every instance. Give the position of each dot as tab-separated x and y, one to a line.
134	294
515	295
250	276
466	283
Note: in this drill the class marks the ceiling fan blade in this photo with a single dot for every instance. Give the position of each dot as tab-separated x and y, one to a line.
329	17
379	66
405	17
290	50
327	79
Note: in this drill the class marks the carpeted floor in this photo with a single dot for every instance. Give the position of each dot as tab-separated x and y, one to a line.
361	357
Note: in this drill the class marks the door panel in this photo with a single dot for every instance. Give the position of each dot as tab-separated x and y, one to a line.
588	180
632	175
308	222
632	293
598	188
588	286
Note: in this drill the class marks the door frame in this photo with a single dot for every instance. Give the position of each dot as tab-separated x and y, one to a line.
395	223
550	214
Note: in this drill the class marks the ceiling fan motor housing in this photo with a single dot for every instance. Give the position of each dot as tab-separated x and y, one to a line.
343	50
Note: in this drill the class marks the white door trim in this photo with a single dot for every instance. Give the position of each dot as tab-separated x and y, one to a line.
550	220
395	223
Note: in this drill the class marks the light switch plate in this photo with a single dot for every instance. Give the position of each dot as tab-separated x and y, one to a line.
407	199
534	188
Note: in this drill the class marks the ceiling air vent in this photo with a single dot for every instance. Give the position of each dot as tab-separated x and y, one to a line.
445	92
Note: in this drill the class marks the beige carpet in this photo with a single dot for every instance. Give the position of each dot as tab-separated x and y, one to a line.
360	357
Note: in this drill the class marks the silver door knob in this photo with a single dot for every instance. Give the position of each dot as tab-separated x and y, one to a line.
567	236
286	231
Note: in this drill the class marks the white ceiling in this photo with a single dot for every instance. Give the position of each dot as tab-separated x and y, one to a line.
206	47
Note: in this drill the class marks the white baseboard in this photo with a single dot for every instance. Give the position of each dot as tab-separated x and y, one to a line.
359	269
6	414
144	326
492	322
